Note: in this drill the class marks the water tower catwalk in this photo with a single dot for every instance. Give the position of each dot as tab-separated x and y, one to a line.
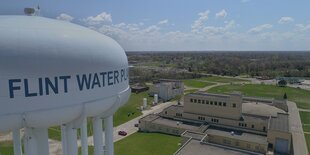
58	73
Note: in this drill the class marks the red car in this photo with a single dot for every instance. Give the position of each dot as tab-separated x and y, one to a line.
122	133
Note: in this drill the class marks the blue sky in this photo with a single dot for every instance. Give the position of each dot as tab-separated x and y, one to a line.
183	24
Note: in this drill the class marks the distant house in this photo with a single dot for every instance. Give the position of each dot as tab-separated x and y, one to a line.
167	89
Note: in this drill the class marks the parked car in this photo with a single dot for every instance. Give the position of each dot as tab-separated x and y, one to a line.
122	133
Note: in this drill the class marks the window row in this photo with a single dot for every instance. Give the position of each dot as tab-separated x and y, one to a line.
178	114
219	103
214	120
201	118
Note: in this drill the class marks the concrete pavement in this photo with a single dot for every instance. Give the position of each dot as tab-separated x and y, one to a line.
299	141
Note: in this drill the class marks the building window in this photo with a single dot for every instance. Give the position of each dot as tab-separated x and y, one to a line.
220	103
224	104
215	103
203	101
207	102
245	125
264	129
195	100
178	114
214	120
211	102
192	100
166	112
234	105
252	126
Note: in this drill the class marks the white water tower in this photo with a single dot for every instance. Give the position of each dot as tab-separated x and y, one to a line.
58	73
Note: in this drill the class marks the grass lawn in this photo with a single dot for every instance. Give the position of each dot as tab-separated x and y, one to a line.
190	91
196	84
147	144
222	79
305	117
144	144
134	102
306	128
300	96
6	148
121	115
307	136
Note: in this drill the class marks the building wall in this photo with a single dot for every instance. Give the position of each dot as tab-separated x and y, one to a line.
212	105
148	126
273	135
258	126
245	145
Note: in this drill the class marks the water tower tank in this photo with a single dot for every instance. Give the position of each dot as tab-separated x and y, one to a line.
53	72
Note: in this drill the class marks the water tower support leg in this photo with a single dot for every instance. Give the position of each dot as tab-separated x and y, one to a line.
71	135
98	137
37	141
17	142
108	126
84	137
63	140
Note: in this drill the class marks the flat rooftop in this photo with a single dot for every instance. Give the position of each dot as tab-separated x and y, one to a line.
194	147
194	135
244	136
208	94
260	109
155	119
279	123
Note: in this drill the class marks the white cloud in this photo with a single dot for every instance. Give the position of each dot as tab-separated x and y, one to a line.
100	18
163	22
302	28
143	37
285	20
198	24
260	28
221	14
217	30
65	17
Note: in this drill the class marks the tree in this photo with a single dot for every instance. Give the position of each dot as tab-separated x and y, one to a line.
282	83
285	96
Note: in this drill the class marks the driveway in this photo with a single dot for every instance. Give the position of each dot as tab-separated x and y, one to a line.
299	141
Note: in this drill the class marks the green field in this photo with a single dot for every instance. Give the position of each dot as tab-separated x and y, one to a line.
222	79
306	128
307	136
300	96
126	113
305	117
147	144
190	91
6	148
196	83
144	144
131	107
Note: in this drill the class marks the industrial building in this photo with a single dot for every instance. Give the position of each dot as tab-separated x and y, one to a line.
241	124
167	89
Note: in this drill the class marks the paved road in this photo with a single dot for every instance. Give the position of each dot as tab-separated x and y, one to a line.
305	110
299	141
